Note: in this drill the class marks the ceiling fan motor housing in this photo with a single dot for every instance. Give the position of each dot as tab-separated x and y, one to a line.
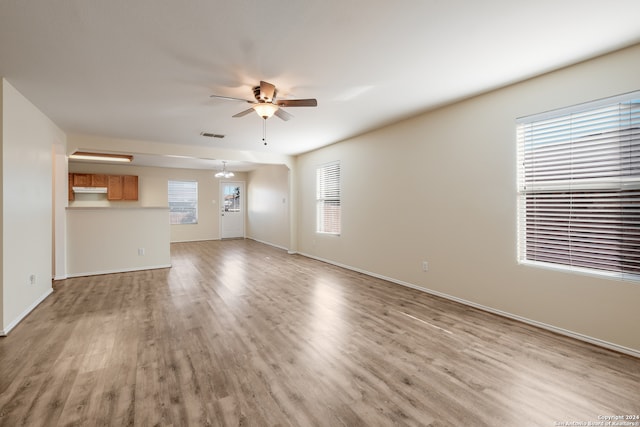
257	92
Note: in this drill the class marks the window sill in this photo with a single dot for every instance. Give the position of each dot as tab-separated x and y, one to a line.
582	271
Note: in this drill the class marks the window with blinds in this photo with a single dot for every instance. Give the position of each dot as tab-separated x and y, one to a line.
579	187
183	202
328	198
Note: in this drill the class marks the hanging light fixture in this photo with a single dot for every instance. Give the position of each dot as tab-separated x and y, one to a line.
224	173
265	109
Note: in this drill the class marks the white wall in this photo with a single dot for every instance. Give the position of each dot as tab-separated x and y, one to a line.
28	138
60	189
152	192
109	240
268	205
3	328
441	187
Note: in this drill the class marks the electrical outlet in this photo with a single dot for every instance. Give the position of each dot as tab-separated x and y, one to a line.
425	266
141	251
32	279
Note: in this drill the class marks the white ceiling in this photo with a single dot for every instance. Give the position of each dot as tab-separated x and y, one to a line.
144	69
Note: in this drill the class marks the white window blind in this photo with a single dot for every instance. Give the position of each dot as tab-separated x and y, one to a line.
183	202
328	198
579	187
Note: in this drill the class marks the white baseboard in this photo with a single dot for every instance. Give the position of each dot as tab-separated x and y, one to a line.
196	240
124	270
557	330
269	244
5	331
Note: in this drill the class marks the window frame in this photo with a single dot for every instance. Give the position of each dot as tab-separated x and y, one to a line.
329	195
186	211
582	214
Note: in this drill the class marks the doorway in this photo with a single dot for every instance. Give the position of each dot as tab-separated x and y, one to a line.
231	210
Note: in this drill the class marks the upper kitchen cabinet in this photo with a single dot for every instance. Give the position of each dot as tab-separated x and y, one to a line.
98	180
80	179
115	187
130	190
118	187
122	187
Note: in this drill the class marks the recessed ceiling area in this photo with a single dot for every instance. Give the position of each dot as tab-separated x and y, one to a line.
145	70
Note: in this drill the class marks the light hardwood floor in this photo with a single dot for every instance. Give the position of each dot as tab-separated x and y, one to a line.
240	333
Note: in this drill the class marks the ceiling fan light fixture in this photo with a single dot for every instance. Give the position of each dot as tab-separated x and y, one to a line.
266	105
265	109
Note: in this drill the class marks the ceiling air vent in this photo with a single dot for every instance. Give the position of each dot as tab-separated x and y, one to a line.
211	135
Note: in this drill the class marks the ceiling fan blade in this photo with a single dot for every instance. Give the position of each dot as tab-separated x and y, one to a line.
230	98
267	91
283	114
297	103
243	113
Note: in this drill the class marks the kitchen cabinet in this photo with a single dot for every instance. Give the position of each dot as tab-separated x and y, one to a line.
81	179
130	187
119	187
122	187
72	195
98	180
114	187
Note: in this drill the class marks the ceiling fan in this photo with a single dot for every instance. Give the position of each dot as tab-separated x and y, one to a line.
266	104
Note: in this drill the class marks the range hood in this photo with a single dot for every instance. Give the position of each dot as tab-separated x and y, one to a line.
92	190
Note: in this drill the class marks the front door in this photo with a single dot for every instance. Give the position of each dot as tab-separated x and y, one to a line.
232	210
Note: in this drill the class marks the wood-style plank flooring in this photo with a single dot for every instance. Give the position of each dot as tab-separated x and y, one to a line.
238	333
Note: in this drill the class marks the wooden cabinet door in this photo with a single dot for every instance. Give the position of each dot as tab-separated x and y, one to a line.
130	191
114	187
99	180
72	195
81	180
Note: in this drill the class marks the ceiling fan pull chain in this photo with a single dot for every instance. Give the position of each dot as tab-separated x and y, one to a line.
264	131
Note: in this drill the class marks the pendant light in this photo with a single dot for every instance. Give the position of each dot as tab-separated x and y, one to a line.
224	173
